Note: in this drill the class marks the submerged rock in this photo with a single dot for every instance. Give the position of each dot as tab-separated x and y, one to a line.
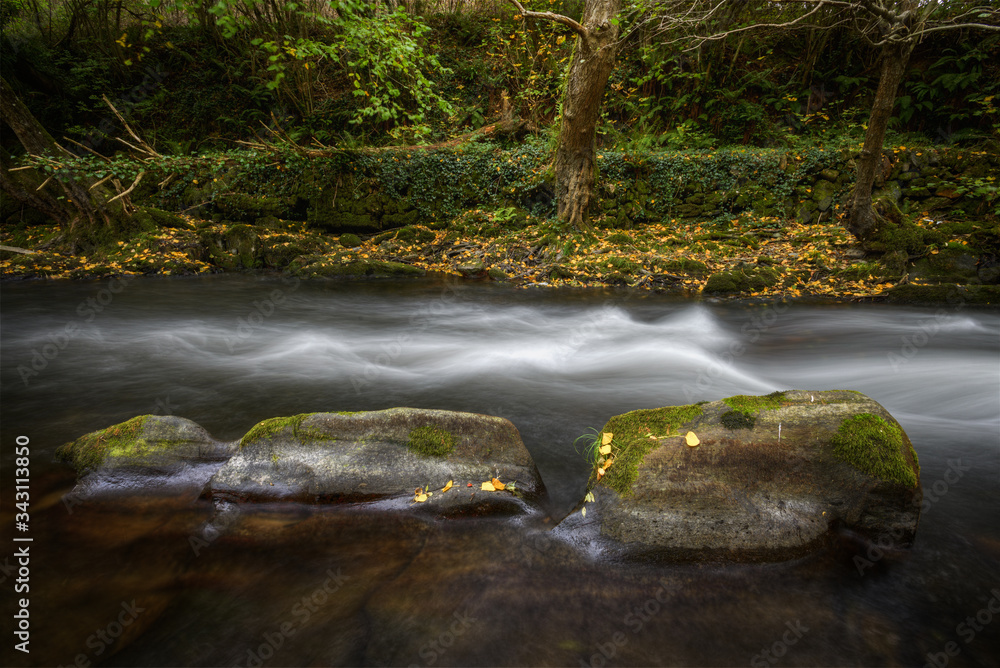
771	478
383	454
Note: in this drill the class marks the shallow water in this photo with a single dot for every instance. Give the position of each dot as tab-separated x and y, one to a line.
228	351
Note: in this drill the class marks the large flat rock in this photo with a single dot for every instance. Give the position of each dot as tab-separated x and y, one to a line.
772	478
386	454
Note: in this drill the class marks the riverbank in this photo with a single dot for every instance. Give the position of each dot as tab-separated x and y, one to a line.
744	257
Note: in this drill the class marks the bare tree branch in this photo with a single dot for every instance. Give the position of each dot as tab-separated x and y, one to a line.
550	16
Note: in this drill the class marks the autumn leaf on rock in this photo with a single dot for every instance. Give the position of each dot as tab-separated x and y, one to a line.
605	450
488	487
691	439
448	486
606	438
497	484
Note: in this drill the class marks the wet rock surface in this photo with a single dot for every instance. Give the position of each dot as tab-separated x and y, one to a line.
772	478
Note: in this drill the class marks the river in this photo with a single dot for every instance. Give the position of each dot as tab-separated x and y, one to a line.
228	351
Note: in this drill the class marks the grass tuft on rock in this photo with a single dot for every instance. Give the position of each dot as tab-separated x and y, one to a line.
431	441
874	446
631	442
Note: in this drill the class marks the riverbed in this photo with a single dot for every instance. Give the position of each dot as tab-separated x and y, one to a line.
287	584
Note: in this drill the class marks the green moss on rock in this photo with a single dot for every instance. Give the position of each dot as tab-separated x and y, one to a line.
270	427
751	405
631	441
431	441
120	440
746	279
874	446
350	240
738	420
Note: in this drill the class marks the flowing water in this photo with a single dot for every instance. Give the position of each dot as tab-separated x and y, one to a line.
137	580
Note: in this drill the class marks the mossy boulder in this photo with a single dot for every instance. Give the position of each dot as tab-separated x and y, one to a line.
772	478
741	280
144	442
383	455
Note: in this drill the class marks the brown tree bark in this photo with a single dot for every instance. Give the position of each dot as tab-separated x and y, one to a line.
590	66
861	220
589	69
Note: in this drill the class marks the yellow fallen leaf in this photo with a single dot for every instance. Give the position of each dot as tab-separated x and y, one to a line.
497	484
600	472
606	437
691	439
488	487
420	498
605	449
448	486
607	463
583	511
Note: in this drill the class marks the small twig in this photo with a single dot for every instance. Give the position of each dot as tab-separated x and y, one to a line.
44	183
87	148
130	188
146	148
100	182
15	249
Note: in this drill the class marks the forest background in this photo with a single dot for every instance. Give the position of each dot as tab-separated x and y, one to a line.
258	84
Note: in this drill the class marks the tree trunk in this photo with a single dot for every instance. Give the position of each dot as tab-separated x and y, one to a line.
589	69
861	217
83	209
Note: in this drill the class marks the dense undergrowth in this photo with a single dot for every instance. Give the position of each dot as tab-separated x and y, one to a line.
191	88
714	164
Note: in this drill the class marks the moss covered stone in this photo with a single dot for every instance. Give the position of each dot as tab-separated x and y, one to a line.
120	440
745	279
738	420
874	446
146	441
350	240
635	434
751	405
273	426
431	441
